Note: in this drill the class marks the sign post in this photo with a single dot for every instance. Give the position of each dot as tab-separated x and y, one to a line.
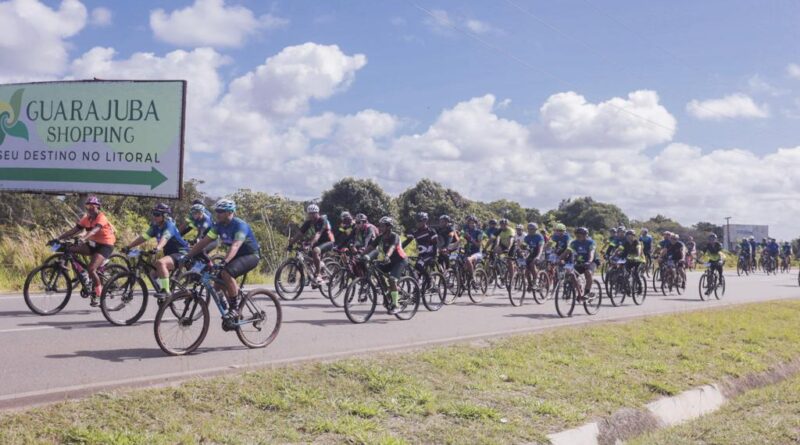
120	137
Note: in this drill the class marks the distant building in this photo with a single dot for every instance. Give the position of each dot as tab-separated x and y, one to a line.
739	231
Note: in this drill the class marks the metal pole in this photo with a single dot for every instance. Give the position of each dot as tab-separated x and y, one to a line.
728	224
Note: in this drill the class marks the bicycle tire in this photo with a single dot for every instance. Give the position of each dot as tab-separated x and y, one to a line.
719	289
119	294
408	300
453	280
255	309
295	276
48	275
337	286
656	278
637	293
614	293
541	288
565	299
361	291
517	289
476	289
702	286
434	294
190	303
592	302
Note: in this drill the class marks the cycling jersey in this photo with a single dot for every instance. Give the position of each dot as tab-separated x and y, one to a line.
447	235
773	248
319	225
561	242
363	236
690	246
344	235
386	242
236	230
664	243
630	250
675	251
426	239
491	232
714	251
582	249
744	248
169	231
106	233
505	237
534	242
647	243
471	235
753	246
201	225
786	249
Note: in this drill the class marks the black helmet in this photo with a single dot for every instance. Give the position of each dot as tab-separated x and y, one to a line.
492	222
161	209
582	231
422	216
444	218
386	221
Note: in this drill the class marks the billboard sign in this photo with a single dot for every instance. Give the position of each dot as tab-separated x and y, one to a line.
120	137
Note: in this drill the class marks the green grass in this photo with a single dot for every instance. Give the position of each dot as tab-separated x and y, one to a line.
508	390
769	415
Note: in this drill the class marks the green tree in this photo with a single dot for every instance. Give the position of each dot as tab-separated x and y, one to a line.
585	211
356	196
431	197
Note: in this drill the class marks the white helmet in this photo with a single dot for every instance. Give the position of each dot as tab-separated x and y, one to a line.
312	208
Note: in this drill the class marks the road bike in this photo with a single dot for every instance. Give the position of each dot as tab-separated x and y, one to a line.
361	297
182	322
297	272
570	291
743	266
711	282
48	287
433	285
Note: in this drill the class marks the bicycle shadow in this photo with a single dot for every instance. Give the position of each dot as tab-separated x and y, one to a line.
533	316
124	355
69	325
31	314
337	321
682	299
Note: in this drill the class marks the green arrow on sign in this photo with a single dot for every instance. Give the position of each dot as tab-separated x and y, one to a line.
153	178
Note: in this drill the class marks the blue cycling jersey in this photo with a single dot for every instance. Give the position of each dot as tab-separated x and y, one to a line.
582	249
492	232
533	241
201	225
169	231
773	248
472	235
236	230
562	241
647	242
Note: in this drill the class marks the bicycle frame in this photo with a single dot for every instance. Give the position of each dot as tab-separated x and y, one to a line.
209	280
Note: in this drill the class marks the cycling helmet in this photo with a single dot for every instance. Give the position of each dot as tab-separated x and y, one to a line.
492	222
676	236
621	229
645	231
225	205
561	227
345	215
444	218
713	236
197	201
362	218
472	218
198	208
161	209
629	232
422	216
752	238
519	227
312	208
93	200
582	231
386	221
532	226
504	221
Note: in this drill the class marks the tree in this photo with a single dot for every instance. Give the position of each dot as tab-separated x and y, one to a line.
585	211
431	197
356	196
511	210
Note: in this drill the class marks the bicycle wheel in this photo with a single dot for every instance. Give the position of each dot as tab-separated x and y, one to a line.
609	284
47	289
289	280
476	289
615	292
565	299
637	293
360	300
656	279
124	299
702	286
118	259
591	302
260	318
541	288
435	292
337	286
183	334
719	290
453	281
517	289
408	298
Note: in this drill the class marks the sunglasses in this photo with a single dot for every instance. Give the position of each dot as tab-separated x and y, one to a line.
218	211
158	214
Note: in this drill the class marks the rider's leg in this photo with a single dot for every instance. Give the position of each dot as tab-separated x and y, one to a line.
315	255
94	264
163	267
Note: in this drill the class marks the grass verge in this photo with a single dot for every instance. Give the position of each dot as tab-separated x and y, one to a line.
769	415
508	390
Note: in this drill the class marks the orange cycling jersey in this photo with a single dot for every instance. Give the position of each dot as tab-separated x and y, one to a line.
106	233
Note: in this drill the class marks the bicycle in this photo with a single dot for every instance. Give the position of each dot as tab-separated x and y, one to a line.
361	297
295	273
257	322
475	283
626	284
48	287
126	289
570	290
671	279
433	284
710	281
786	264
743	266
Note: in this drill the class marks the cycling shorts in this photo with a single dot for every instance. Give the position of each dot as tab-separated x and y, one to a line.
241	265
104	250
394	268
324	246
583	267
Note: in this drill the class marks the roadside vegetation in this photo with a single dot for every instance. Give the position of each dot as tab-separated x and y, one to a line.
508	390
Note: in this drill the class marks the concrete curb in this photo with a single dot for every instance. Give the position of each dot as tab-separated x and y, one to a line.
628	423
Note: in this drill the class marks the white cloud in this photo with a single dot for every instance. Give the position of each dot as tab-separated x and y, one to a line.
729	107
34	44
793	70
101	16
210	23
442	22
477	26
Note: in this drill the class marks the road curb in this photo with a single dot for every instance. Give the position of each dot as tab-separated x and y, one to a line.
628	423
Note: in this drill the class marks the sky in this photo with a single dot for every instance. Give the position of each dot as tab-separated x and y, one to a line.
683	108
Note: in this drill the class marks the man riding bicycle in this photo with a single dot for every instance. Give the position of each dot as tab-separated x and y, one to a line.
448	240
691	252
97	241
364	233
168	238
675	251
631	249
581	251
321	238
504	244
473	237
534	242
647	244
426	239
786	252
715	257
345	231
199	220
395	260
244	252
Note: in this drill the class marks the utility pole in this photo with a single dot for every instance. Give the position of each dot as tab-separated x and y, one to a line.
728	230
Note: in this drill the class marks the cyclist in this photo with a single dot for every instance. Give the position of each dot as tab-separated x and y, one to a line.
364	233
426	239
97	241
319	229
491	230
581	250
715	256
504	243
786	252
647	244
168	239
691	252
676	251
199	219
473	236
632	250
394	256
560	239
448	240
773	250
243	254
744	251
612	243
345	231
535	245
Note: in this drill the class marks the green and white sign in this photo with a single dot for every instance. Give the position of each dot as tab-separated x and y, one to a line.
121	137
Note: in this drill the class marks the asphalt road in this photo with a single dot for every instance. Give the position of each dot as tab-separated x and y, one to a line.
76	352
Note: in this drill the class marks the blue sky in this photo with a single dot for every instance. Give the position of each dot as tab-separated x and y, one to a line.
660	107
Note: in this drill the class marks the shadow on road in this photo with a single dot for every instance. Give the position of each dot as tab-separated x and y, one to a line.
31	314
684	299
533	316
124	355
69	324
329	322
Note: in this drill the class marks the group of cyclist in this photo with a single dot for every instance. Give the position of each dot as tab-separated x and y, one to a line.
770	249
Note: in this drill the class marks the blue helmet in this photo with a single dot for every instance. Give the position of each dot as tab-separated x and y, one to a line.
225	205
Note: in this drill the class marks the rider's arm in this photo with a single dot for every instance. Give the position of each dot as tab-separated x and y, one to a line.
71	231
409	239
234	250
139	240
